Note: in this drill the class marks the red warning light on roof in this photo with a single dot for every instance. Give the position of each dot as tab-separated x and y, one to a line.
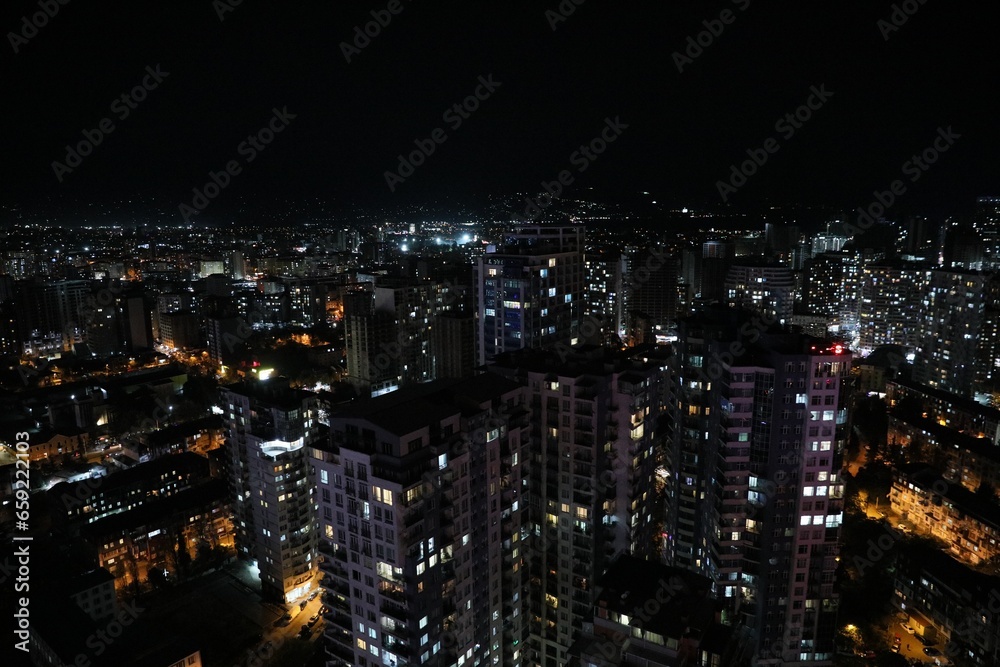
838	349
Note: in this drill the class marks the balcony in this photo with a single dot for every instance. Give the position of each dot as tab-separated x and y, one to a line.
392	592
339	654
394	609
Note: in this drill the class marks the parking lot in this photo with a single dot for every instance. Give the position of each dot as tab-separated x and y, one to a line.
912	648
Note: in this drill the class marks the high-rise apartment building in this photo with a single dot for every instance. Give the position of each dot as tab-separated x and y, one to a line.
764	288
390	332
595	455
453	343
756	495
425	537
654	287
530	292
952	320
468	521
606	294
270	429
53	315
824	284
889	304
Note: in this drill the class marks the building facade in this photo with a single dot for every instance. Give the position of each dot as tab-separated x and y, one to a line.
530	292
269	429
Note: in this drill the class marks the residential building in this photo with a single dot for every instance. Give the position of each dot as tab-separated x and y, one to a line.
531	291
269	430
425	534
755	500
594	470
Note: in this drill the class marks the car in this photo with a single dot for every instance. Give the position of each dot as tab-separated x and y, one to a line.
324	609
305	631
868	655
930	651
881	514
895	648
313	620
312	596
909	630
302	605
283	621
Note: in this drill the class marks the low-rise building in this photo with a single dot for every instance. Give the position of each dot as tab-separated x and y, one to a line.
967	522
951	604
94	593
652	615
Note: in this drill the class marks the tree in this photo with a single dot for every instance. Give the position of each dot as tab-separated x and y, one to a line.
132	569
986	491
156	577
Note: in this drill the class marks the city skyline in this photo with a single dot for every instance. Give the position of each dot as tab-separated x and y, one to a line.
561	334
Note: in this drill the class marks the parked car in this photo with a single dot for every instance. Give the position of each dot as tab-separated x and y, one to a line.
283	621
908	629
931	651
313	620
312	596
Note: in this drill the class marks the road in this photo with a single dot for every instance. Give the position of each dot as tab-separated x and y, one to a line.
911	647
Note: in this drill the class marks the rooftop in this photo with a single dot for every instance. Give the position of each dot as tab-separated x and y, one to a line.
412	408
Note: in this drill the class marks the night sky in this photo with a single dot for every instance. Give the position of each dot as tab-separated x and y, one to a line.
610	59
